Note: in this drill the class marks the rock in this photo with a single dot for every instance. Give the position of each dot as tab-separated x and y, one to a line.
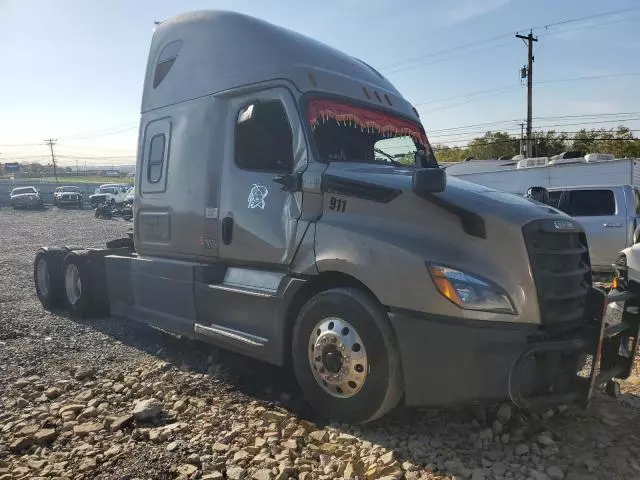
181	405
538	475
88	464
45	436
215	475
499	469
90	412
263	474
53	392
113	451
241	455
477	474
319	436
74	408
504	414
486	434
121	422
28	431
34	464
220	447
545	440
497	427
186	469
581	476
453	466
21	402
555	473
274	416
521	449
173	446
236	473
85	429
20	444
85	395
84	373
387	458
145	410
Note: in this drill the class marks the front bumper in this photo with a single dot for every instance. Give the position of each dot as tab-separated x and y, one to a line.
26	202
449	361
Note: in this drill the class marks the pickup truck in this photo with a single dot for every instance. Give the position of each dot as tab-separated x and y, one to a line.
609	215
111	193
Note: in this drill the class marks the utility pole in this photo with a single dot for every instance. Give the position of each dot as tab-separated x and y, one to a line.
528	72
51	142
521	137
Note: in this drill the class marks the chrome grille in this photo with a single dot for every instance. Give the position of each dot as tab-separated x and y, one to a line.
561	270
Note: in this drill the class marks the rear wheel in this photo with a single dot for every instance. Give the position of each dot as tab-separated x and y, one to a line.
345	356
83	284
47	276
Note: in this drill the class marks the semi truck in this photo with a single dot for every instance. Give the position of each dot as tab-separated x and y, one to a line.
276	215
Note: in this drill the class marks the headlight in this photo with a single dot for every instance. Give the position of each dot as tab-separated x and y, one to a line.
470	291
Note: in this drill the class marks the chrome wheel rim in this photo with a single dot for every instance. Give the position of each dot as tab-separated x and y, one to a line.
72	284
338	357
42	276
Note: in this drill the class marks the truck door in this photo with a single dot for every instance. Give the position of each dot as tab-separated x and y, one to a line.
603	217
258	217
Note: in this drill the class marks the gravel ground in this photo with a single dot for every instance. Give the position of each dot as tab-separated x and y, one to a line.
110	399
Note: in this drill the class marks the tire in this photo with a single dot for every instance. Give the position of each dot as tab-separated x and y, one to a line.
363	323
47	277
84	284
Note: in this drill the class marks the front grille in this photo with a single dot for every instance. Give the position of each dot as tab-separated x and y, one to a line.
561	271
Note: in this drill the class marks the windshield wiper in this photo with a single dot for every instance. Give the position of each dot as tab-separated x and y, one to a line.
391	158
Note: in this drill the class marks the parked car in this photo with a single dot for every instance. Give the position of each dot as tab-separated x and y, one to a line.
26	197
112	193
68	195
130	196
610	216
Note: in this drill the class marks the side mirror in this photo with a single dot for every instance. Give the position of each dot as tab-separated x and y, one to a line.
429	180
539	194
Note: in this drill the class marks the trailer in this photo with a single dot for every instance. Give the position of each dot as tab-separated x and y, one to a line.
517	176
273	218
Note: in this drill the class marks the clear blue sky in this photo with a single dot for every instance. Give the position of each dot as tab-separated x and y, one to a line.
73	69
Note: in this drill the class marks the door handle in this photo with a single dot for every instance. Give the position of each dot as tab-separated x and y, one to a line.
227	230
612	225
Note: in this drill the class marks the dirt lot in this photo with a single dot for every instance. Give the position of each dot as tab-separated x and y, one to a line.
68	390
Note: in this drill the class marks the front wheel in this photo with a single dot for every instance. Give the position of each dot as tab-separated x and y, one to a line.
345	356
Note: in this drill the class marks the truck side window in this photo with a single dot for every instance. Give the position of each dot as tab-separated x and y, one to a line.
264	141
636	197
590	203
156	158
554	198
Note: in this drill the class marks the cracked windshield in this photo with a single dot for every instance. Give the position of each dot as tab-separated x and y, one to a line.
319	241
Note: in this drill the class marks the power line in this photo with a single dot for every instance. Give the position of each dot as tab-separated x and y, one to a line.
499	90
554	117
399	66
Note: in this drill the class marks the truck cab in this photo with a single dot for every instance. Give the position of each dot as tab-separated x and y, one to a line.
288	206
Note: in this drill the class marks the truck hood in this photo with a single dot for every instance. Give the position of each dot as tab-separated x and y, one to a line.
459	194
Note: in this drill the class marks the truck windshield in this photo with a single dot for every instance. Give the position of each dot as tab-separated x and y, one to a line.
20	191
344	132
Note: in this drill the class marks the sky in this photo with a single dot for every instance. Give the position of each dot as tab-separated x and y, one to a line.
72	70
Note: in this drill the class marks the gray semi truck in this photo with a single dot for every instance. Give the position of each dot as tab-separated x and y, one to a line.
288	206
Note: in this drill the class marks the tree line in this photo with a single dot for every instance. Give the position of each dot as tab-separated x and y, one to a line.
618	141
